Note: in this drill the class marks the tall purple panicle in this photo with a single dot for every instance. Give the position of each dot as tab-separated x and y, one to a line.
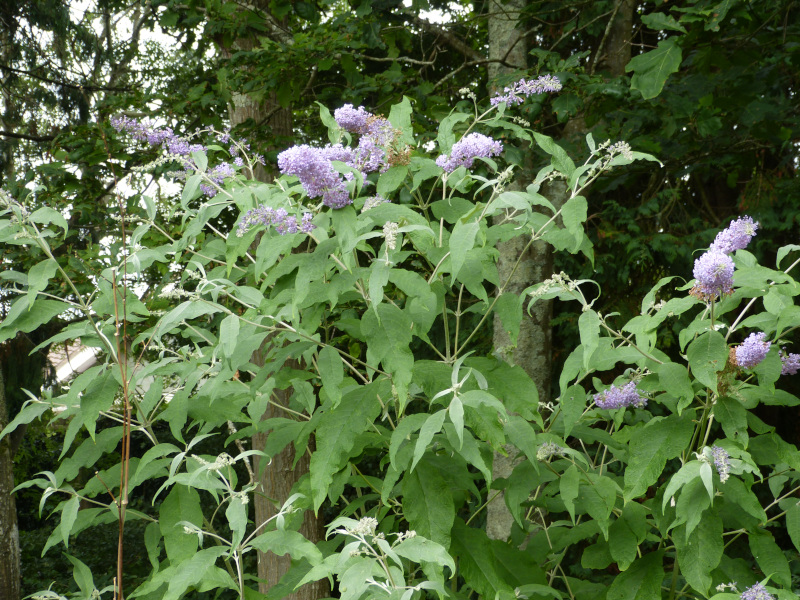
516	93
714	274
790	363
316	174
752	351
623	397
279	219
721	462
467	149
736	236
146	131
352	119
757	592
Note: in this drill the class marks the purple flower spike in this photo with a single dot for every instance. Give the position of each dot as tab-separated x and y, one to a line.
721	462
623	397
714	274
752	351
352	119
736	236
757	592
516	93
790	362
467	149
316	173
280	220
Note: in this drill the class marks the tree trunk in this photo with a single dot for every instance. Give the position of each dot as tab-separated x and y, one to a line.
9	533
533	350
279	476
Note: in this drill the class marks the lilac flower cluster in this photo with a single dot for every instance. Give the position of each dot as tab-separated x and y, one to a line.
714	274
790	363
279	219
714	269
736	236
752	351
757	592
467	149
316	174
721	462
352	119
175	145
314	168
623	397
516	93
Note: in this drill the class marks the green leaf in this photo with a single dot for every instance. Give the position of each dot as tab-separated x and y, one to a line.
82	576
626	533
692	504
336	436
400	118
192	571
700	553
331	372
181	504
456	413
286	541
21	317
783	252
329	121
236	513
190	189
461	241
69	512
573	403
509	309
432	426
676	382
688	472
573	213
30	410
589	326
662	21
392	179
568	489
622	543
477	563
229	335
598	498
523	436
651	69
707	356
379	273
650	448
793	523
732	415
642	581
420	550
408	425
428	503
38	278
47	216
99	396
559	157
770	558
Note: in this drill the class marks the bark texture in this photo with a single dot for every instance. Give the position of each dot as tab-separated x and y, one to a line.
509	51
533	350
277	478
9	533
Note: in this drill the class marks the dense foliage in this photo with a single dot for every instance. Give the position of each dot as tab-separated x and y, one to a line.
364	277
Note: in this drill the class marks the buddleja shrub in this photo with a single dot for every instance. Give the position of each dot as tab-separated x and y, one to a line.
364	277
